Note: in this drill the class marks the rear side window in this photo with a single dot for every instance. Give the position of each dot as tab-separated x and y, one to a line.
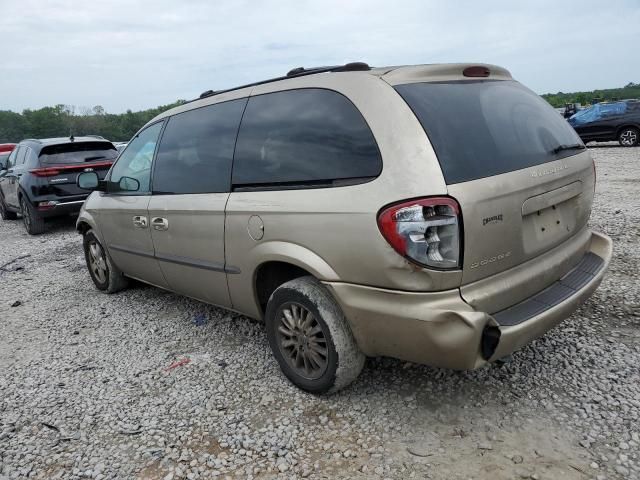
485	128
80	152
303	137
22	153
196	150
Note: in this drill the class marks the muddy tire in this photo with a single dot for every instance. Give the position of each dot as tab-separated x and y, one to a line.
105	275
310	337
33	222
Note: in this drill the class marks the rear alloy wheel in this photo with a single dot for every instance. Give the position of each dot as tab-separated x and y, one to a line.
105	275
33	222
310	338
4	212
629	137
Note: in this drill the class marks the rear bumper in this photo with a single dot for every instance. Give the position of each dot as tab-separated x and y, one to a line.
442	330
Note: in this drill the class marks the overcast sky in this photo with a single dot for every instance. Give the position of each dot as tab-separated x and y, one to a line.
141	54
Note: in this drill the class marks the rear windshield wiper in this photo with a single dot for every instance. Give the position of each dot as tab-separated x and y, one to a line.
574	146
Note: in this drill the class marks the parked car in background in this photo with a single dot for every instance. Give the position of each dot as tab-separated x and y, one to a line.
340	206
5	151
607	122
571	109
39	178
120	146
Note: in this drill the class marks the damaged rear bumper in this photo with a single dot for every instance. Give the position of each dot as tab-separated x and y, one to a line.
442	330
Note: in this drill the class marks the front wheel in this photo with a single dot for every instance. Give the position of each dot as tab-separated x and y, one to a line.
628	137
310	338
33	222
105	275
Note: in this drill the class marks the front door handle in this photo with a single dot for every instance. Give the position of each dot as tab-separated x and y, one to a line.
159	223
140	221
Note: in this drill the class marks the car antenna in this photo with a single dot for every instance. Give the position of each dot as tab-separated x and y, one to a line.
71	137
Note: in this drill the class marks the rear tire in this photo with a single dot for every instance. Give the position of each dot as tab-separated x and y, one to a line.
629	137
33	222
105	275
310	338
4	212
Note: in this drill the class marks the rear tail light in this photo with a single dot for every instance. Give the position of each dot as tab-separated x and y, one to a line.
47	205
45	172
60	169
426	231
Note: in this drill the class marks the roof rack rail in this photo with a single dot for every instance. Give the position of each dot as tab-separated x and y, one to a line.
296	72
206	94
349	67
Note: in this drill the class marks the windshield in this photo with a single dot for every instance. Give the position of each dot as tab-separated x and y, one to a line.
78	152
483	128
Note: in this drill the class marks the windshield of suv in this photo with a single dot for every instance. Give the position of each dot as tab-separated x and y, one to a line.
483	128
78	152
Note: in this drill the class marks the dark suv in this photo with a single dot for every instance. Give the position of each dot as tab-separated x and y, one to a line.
38	180
608	122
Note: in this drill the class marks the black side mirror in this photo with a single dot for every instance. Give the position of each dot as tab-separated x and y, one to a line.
88	180
128	184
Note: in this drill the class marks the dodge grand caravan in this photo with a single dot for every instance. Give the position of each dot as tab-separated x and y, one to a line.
433	213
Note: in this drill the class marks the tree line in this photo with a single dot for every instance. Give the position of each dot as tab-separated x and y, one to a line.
631	90
64	120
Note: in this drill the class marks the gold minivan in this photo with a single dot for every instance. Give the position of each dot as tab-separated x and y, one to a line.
432	213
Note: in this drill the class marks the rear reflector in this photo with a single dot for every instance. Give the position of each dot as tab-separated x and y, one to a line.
477	71
47	205
57	170
425	231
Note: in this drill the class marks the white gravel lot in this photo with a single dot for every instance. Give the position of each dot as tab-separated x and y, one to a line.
98	386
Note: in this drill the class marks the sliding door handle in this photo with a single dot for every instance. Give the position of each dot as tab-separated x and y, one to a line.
159	223
140	221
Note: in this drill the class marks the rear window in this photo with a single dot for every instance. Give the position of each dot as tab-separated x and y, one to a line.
302	138
78	152
483	128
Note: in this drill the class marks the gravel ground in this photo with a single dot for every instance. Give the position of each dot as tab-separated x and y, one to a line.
146	384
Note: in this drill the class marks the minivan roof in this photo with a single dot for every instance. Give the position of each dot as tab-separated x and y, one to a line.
393	75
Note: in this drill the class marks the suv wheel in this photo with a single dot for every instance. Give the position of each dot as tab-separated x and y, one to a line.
33	222
4	212
105	275
310	337
628	137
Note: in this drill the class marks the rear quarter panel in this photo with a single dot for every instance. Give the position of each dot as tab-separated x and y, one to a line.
337	227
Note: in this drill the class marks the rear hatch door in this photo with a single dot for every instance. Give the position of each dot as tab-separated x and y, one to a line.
518	170
61	164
